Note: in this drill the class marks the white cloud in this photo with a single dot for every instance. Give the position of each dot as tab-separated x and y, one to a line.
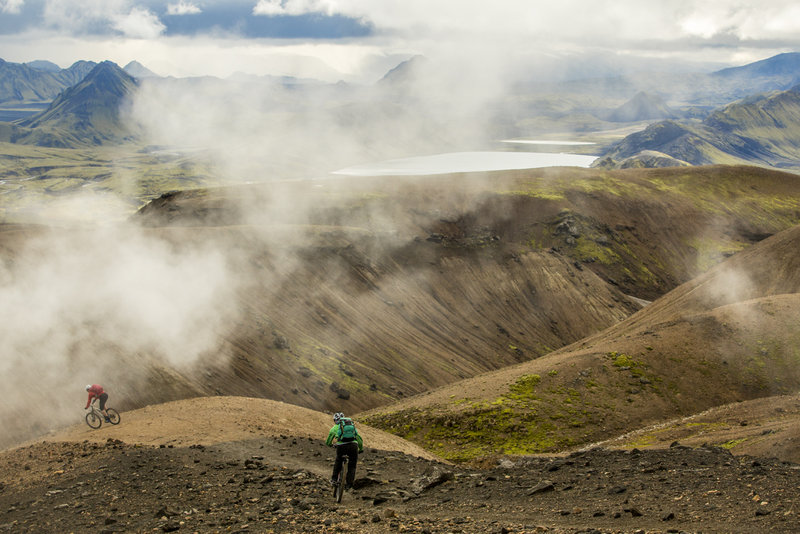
98	16
138	23
770	21
729	32
268	7
183	8
607	23
296	7
701	26
11	6
79	16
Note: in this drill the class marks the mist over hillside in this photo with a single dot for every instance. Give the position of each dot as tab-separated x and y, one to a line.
353	293
546	257
335	293
280	125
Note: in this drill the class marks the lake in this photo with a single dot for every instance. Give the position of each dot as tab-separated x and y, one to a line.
551	142
467	162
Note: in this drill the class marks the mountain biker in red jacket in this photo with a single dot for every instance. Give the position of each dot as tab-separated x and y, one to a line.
96	392
346	445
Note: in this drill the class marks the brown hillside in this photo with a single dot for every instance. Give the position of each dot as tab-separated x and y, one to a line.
350	294
727	336
644	230
338	330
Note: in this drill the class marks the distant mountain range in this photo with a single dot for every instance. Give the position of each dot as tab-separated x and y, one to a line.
42	81
38	82
137	70
87	113
763	129
697	90
775	73
643	106
47	66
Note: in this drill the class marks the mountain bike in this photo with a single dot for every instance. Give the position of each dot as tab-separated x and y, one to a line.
95	417
338	489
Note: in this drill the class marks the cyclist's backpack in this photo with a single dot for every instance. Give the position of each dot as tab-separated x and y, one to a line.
347	430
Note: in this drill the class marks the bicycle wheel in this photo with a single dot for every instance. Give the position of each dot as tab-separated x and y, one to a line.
340	486
94	420
113	416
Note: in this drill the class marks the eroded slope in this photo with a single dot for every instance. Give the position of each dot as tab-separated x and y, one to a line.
727	336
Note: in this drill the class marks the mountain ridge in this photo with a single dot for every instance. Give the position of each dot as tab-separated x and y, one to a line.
763	129
642	107
22	83
786	66
86	113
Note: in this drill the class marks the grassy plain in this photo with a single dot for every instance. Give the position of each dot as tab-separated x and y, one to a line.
97	183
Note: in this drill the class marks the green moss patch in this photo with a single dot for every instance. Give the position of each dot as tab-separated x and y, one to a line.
536	415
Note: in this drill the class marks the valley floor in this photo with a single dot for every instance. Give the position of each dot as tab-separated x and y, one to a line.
279	484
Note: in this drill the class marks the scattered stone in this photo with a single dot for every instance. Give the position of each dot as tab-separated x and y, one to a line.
505	463
542	487
279	341
432	477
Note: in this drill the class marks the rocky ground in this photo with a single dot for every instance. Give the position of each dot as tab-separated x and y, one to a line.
279	484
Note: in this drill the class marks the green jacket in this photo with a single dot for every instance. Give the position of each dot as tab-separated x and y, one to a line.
334	434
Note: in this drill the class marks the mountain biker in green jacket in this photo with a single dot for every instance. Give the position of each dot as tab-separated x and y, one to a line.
348	443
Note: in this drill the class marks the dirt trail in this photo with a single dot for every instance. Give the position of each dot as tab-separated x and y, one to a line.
245	465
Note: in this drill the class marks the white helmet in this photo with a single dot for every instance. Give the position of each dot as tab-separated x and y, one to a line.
88	387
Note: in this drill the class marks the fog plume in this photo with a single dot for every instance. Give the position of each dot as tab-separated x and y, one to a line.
103	306
112	305
261	129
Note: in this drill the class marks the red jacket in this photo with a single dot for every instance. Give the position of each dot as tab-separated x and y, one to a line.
94	392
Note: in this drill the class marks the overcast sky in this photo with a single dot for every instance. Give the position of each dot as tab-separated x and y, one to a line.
360	39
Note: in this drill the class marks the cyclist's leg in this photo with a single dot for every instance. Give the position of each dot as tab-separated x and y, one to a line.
352	453
103	399
337	465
